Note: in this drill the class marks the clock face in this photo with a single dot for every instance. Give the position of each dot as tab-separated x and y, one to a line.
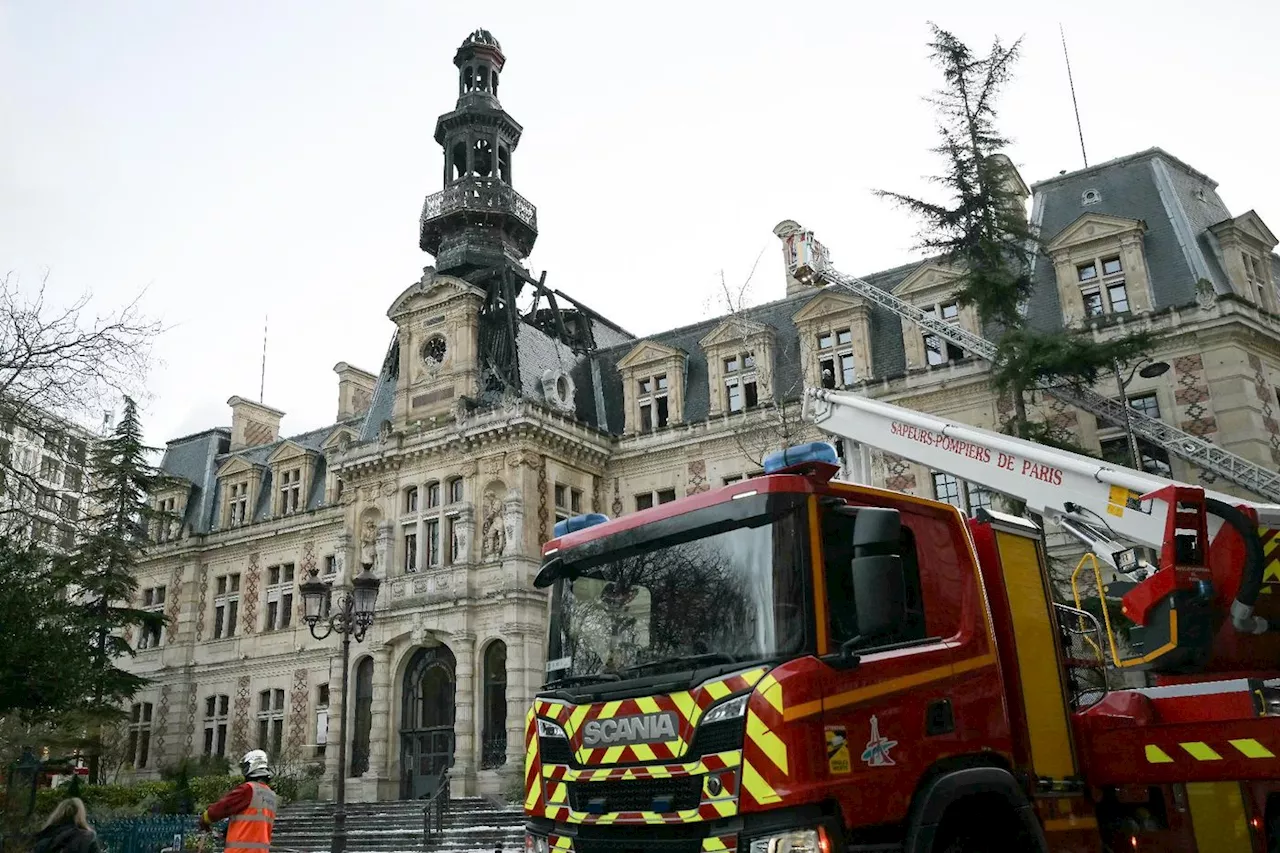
433	351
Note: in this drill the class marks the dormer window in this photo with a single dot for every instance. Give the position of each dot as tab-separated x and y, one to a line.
238	504
651	394
740	387
1257	282
1102	287
290	491
835	359
938	351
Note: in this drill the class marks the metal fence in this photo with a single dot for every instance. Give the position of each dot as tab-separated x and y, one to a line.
150	834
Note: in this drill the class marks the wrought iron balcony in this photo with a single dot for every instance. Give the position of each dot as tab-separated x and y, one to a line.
483	195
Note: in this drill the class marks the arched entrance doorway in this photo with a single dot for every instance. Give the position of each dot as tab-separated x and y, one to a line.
426	721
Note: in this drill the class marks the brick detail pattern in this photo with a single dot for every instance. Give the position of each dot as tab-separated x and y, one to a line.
1267	397
617	499
1062	420
1194	407
596	505
175	603
898	474
308	566
697	477
193	705
298	696
544	514
240	718
249	598
159	726
203	607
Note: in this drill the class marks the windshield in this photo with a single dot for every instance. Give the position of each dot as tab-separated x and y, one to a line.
720	592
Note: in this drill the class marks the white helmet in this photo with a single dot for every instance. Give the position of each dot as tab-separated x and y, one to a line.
254	764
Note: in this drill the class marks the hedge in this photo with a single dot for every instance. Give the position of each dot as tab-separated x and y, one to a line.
111	801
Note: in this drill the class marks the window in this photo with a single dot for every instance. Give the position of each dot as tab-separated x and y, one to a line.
152	602
961	494
493	751
433	495
1105	294
290	491
238	504
1146	404
139	747
279	596
322	718
740	387
331	564
1155	460
652	399
936	350
455	490
50	470
166	524
46	499
410	549
735	478
76	450
226	605
411	499
1255	280
451	531
271	721
837	555
217	713
568	501
74	480
835	359
433	542
651	499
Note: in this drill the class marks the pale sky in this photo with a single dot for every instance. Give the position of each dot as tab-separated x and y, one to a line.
239	159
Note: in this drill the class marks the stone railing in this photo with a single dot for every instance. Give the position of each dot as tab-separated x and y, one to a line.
479	194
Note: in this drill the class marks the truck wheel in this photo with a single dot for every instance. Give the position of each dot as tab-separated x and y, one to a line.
979	833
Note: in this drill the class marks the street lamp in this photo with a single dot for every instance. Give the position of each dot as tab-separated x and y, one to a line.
1147	368
351	618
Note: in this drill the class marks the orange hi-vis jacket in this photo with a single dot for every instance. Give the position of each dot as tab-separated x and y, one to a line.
251	808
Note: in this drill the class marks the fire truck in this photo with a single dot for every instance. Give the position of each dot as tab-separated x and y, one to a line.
797	663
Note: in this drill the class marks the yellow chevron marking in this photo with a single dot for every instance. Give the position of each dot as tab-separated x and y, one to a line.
575	719
718	689
712	844
1200	751
612	754
726	808
560	842
1156	755
684	703
771	690
647	704
753	676
606	819
644	752
609	710
768	742
1250	748
755	785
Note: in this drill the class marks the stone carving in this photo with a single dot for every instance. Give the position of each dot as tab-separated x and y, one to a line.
697	477
468	468
460	537
1206	297
340	555
493	465
383	548
368	541
388	489
544	514
514	520
493	532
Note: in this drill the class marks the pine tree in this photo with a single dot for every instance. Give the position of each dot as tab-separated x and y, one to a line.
983	231
118	533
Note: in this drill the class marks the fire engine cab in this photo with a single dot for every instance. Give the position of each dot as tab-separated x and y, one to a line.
796	663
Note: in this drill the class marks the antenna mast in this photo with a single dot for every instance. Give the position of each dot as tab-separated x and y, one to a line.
1074	104
262	386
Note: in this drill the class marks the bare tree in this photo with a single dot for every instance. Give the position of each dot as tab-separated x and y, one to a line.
61	367
775	421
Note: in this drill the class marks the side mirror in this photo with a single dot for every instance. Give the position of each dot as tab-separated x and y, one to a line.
876	530
879	595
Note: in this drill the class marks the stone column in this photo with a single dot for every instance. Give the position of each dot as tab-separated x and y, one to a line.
332	743
463	645
463	530
513	515
519	694
380	735
385	548
342	557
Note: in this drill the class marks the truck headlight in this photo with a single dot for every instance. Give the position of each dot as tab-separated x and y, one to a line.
546	728
535	843
735	707
795	841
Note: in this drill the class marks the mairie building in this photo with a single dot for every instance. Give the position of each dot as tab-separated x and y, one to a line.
503	404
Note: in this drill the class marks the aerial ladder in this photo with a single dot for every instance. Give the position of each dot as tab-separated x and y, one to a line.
810	263
1194	562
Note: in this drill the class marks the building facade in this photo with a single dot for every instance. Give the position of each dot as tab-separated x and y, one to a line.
44	463
447	468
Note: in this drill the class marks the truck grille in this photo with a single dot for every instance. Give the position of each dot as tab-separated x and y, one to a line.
717	737
640	795
555	750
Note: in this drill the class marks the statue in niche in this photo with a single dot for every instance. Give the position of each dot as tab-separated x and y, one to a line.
369	542
494	531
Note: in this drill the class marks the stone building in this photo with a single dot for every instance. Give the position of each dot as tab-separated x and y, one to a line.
44	462
487	422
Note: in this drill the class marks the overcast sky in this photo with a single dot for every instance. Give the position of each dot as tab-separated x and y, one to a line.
244	159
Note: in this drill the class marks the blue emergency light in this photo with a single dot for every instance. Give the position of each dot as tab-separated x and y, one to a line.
788	457
578	522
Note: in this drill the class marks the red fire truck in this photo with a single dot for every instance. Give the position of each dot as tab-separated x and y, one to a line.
795	663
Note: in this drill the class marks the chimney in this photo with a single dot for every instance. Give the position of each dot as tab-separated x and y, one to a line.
791	235
355	390
252	424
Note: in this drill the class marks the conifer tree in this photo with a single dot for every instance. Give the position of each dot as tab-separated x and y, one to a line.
981	228
104	565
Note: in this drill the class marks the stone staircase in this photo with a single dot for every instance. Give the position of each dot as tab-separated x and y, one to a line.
471	825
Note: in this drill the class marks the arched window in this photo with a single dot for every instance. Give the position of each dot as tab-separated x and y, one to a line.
494	736
469	76
363	718
411	499
458	161
455	490
504	163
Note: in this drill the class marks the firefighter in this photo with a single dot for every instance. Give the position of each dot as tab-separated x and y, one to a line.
251	807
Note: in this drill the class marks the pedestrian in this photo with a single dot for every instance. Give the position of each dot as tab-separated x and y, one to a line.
67	831
251	807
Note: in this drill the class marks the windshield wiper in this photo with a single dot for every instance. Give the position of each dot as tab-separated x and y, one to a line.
683	660
571	680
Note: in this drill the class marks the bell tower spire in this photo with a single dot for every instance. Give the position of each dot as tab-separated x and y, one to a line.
478	223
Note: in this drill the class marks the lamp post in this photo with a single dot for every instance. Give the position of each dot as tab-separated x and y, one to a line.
351	617
1147	368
